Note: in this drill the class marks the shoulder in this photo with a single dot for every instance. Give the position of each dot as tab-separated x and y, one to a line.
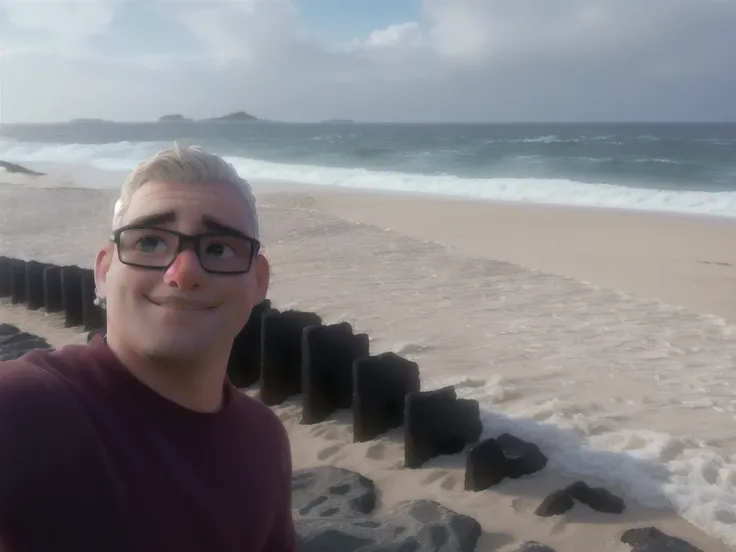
38	395
32	386
40	417
262	422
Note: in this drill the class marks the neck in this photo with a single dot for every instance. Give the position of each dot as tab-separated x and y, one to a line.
190	383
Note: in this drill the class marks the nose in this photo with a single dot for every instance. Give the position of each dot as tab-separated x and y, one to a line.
185	272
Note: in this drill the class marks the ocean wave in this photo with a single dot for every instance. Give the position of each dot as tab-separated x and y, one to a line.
123	156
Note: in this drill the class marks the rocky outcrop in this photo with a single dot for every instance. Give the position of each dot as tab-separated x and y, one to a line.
597	498
332	513
650	539
174	118
14	342
236	116
13	168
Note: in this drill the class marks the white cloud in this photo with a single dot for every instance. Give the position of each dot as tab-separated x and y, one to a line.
461	59
398	35
60	17
237	29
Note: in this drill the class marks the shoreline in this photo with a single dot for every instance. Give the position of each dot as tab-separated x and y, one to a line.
681	259
685	260
267	186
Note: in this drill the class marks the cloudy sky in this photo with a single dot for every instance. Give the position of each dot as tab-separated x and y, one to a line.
371	60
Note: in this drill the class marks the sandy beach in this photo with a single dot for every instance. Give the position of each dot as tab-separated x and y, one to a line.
605	337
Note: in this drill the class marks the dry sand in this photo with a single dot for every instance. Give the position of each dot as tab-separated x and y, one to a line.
620	391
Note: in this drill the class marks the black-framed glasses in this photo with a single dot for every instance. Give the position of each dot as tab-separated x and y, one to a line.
157	248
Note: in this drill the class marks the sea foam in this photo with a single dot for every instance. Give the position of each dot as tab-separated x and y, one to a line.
123	156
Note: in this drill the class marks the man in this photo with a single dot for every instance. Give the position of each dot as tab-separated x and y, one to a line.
137	441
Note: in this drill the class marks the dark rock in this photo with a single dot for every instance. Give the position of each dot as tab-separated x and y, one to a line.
328	354
281	354
71	296
15	337
421	525
380	386
236	116
330	491
13	168
244	364
52	289
651	539
491	461
17	281
8	329
15	343
533	546
5	276
34	285
437	423
555	504
332	513
93	316
597	498
173	118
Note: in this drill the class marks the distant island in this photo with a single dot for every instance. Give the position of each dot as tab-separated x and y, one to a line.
88	121
172	118
236	116
337	121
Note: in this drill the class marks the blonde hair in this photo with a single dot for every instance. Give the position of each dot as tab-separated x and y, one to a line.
189	165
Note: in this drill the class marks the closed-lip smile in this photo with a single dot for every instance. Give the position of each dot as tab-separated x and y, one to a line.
180	304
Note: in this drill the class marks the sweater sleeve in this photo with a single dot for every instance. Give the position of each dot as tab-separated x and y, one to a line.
283	533
34	411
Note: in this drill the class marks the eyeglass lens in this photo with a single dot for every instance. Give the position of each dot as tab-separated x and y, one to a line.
157	248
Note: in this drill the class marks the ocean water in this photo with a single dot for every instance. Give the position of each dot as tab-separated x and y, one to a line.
685	168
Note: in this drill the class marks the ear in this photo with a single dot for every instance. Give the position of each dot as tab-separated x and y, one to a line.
263	277
102	266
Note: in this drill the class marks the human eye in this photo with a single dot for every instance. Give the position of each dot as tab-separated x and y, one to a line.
220	249
146	241
151	244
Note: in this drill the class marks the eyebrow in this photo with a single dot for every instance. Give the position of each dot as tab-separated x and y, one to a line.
214	225
167	217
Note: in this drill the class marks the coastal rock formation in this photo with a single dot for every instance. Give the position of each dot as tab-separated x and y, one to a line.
651	539
236	116
244	364
597	498
327	491
438	423
14	342
281	356
17	281
5	276
34	285
534	546
13	168
493	460
52	296
174	118
381	384
71	296
332	513
328	354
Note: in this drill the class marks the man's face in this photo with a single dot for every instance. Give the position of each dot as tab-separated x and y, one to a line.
183	311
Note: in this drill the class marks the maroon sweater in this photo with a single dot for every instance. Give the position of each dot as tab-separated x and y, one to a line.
93	460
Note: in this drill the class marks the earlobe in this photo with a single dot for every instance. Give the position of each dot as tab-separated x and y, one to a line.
102	266
263	276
